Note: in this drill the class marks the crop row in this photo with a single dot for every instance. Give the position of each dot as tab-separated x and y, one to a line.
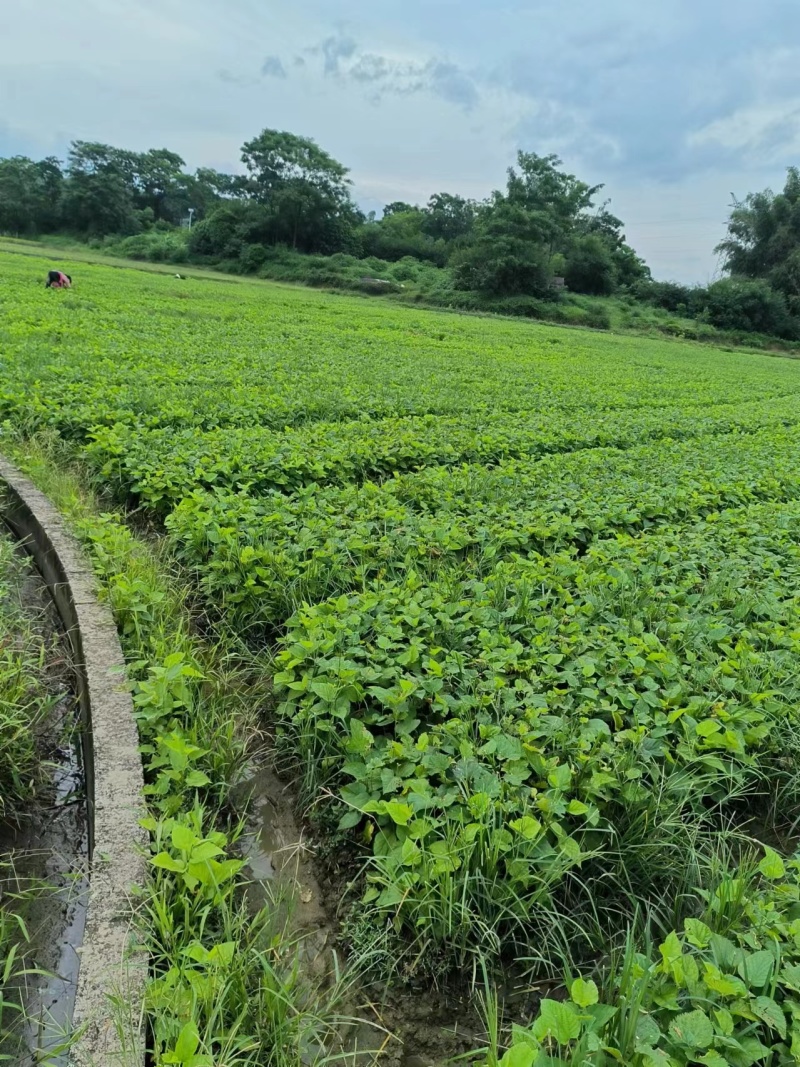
135	348
259	558
160	465
499	733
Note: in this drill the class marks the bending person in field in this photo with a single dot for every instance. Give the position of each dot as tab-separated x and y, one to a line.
56	279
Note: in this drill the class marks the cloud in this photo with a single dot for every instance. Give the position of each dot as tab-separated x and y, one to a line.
370	68
344	60
273	67
452	84
334	49
230	78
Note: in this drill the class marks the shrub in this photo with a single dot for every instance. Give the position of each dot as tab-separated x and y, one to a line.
754	306
590	268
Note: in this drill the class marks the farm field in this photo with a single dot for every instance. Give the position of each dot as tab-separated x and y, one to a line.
528	602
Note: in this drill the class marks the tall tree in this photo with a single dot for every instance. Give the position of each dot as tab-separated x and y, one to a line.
538	186
510	254
449	217
763	239
276	160
305	187
30	195
159	183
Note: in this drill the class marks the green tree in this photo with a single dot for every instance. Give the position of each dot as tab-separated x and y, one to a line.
448	217
306	189
590	266
159	183
99	203
399	234
99	191
763	238
509	255
558	199
30	195
398	207
751	305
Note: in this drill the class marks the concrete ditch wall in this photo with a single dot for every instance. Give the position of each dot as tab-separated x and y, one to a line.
112	973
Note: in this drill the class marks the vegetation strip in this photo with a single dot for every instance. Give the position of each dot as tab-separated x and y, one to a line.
108	966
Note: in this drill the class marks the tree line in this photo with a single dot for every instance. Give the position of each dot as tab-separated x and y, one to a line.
544	225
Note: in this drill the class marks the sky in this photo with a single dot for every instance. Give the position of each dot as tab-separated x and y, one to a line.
675	105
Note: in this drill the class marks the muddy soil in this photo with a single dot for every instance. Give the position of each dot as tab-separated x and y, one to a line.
47	847
399	1028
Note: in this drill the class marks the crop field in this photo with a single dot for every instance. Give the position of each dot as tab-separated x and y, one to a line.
528	598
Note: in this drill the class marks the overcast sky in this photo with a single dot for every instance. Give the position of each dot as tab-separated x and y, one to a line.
674	104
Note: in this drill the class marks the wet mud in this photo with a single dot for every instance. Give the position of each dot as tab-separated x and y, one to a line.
397	1027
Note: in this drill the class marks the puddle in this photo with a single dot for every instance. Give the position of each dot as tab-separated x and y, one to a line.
398	1028
279	856
48	846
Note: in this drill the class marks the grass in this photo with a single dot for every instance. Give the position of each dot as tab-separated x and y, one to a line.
25	692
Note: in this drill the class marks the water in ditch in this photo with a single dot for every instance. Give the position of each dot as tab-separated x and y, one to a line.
398	1027
44	854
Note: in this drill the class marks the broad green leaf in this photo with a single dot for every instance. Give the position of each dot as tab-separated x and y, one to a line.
770	1012
205	851
390	896
350	819
772	865
697	933
756	969
557	1020
560	777
186	1045
167	863
223	953
519	1056
584	993
183	838
713	1059
652	1057
325	691
727	985
790	976
648	1031
196	779
693	1029
527	827
724	1020
399	813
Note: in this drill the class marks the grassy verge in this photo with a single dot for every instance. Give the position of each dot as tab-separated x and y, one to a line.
226	985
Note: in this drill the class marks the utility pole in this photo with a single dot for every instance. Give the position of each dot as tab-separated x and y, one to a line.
191	216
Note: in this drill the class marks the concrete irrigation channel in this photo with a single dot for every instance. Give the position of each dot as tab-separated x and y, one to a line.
111	973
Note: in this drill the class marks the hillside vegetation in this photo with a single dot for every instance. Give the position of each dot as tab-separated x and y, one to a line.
546	246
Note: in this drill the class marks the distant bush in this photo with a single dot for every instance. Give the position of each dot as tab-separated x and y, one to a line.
590	268
156	246
252	258
679	299
753	306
